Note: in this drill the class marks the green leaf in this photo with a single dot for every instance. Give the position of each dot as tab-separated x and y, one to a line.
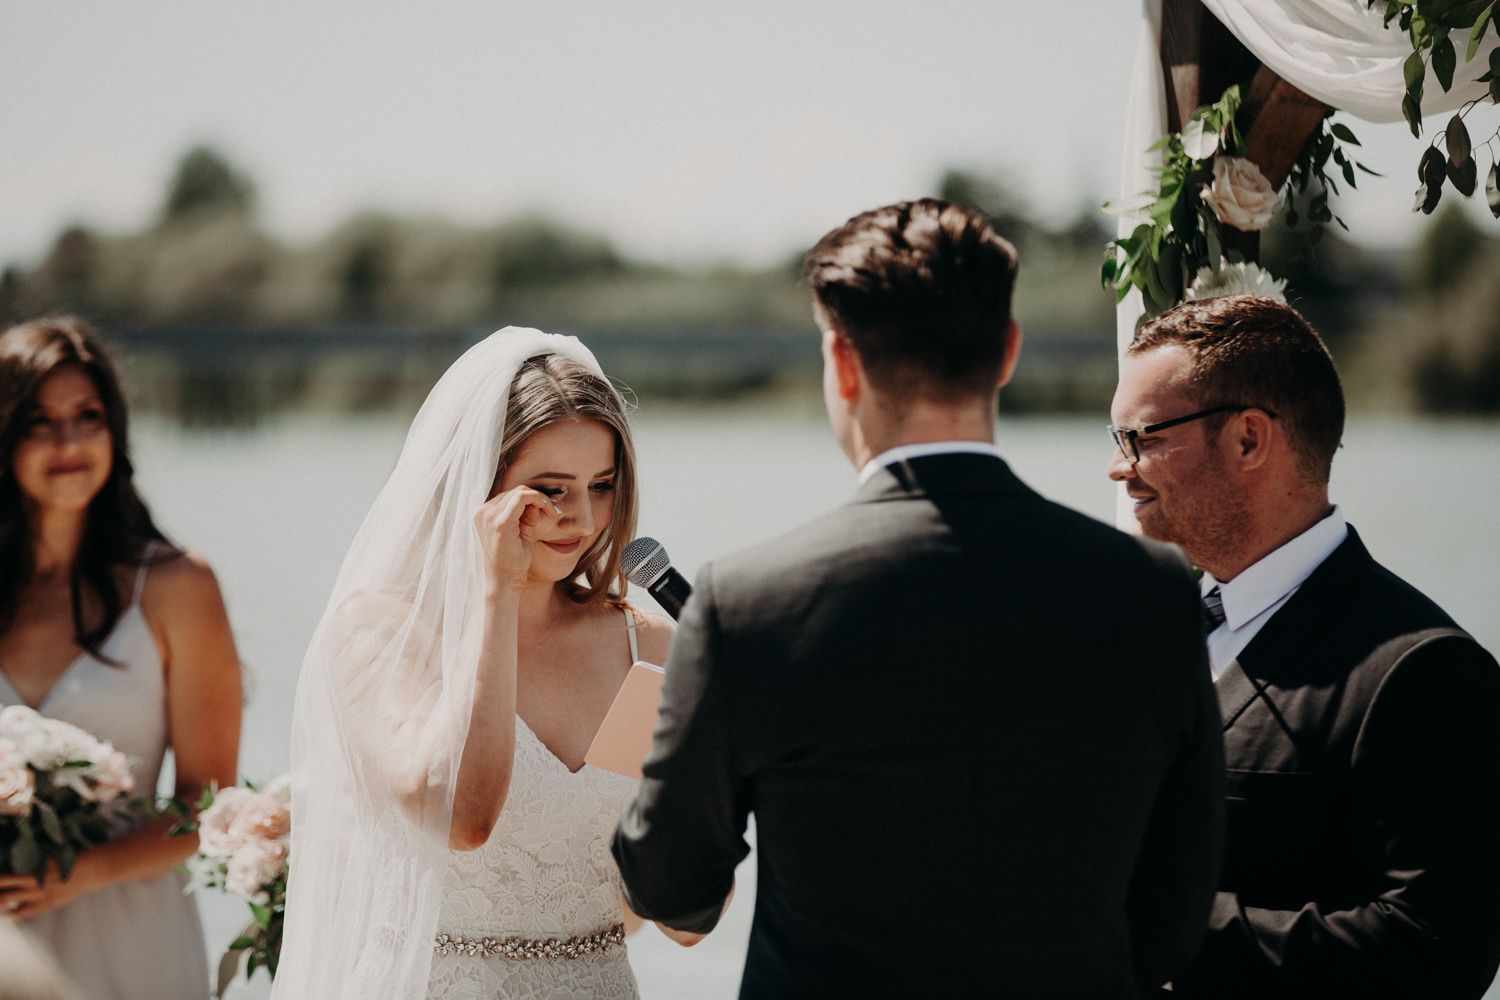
1198	141
241	943
1185	217
1430	167
1444	62
1477	34
1492	190
1459	146
1412	109
67	857
1495	60
1414	70
25	856
1463	177
1495	87
1344	134
1108	271
51	825
262	915
1169	268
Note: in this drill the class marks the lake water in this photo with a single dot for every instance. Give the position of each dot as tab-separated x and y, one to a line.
273	510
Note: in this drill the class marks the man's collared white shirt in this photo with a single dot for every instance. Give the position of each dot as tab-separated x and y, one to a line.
1251	598
906	452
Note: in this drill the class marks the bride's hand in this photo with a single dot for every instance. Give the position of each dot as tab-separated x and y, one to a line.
508	524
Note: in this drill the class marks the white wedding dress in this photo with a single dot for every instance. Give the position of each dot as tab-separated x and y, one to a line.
545	879
378	906
546	874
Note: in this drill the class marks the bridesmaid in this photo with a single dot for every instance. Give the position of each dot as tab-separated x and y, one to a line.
106	625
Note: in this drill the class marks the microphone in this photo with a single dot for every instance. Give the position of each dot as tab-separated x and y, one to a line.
645	563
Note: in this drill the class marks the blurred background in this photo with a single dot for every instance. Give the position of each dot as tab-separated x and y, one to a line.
290	218
281	206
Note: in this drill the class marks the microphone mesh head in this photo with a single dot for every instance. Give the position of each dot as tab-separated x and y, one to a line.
643	561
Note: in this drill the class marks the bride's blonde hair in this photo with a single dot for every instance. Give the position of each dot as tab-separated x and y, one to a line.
549	388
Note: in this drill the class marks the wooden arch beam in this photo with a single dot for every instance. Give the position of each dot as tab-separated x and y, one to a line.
1200	59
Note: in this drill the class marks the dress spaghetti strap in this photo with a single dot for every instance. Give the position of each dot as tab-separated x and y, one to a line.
630	627
140	576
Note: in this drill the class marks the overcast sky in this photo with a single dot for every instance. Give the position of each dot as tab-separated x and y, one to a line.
699	130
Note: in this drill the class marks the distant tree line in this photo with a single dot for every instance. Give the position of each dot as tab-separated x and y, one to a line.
1423	335
206	260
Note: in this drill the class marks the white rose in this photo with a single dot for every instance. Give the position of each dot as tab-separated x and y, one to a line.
1240	195
16	721
48	744
10	754
1235	279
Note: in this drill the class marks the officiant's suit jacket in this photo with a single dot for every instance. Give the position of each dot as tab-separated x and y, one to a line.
1362	736
978	738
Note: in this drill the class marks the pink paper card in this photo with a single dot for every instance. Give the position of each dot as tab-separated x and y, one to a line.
625	737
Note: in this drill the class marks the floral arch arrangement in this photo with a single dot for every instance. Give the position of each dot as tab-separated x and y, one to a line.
1236	150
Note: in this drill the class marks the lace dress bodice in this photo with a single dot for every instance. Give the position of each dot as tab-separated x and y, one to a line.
546	872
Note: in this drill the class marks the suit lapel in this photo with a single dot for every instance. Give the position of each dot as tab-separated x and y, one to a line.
1299	621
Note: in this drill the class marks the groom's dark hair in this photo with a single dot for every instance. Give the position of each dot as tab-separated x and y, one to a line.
922	290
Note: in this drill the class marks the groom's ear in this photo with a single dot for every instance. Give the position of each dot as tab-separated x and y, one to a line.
848	370
1012	354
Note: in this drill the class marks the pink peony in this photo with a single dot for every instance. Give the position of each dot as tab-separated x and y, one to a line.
218	835
17	783
264	818
1240	195
241	817
110	777
253	866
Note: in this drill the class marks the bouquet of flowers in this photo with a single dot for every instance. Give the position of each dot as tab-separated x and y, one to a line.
244	836
55	780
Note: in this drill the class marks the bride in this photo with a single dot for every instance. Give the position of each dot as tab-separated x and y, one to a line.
448	838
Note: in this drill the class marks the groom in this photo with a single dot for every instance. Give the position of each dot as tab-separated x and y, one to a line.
975	728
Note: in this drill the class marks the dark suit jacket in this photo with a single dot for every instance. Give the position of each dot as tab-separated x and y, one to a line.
1363	853
978	737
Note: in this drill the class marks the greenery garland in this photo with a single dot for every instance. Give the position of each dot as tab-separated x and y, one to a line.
1181	230
1431	26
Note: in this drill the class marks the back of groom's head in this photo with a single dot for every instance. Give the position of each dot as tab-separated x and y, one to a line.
922	289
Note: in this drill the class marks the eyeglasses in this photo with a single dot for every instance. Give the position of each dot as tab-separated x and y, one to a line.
1125	437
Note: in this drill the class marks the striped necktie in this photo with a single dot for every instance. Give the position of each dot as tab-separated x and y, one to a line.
1213	611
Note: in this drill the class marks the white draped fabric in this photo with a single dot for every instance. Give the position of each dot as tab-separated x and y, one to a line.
1340	52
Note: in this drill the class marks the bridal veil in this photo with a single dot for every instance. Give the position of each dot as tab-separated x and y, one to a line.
383	701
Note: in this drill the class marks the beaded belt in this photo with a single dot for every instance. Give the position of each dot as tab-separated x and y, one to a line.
520	949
